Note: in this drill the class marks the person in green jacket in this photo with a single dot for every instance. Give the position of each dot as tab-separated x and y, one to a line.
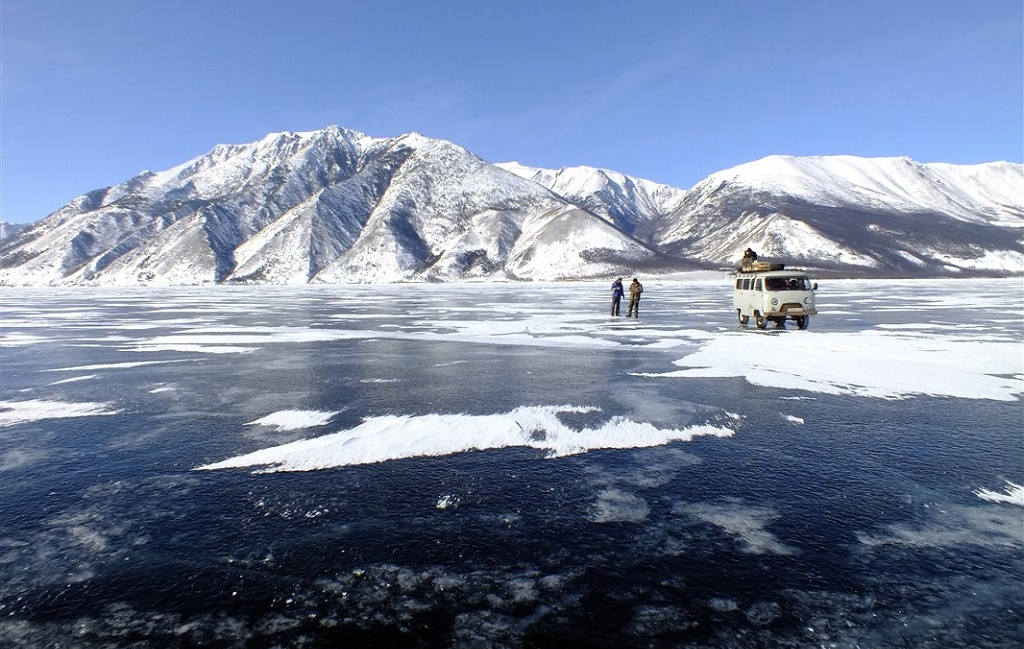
635	289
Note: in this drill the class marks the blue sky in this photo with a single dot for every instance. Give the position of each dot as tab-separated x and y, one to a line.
93	92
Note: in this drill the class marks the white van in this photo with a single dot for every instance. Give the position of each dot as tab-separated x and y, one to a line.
766	292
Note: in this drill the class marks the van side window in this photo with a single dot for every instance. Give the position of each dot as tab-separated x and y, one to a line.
738	282
746	284
786	284
757	285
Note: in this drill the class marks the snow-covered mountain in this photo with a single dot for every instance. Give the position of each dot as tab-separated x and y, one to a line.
887	215
325	206
632	205
339	206
10	229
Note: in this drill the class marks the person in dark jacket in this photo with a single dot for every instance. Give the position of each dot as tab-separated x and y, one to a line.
635	289
749	257
617	294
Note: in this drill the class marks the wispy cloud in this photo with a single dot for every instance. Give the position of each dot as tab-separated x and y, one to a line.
423	100
29	65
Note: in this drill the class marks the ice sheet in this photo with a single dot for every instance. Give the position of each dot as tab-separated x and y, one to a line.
488	549
379	439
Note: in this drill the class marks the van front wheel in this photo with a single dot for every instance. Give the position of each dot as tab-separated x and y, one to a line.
744	319
760	320
804	321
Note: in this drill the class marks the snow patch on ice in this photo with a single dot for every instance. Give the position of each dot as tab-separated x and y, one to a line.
391	437
20	412
201	349
284	420
537	331
111	366
19	339
898	366
74	379
1013	494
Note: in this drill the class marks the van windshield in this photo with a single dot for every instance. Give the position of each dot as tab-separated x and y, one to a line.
786	284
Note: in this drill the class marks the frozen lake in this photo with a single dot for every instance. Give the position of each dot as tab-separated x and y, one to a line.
503	465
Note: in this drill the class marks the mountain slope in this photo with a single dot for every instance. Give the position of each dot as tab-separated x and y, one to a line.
10	229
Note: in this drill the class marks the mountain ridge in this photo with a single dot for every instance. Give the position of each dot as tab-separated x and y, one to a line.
337	206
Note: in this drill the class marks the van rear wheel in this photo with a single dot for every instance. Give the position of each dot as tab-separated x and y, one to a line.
744	319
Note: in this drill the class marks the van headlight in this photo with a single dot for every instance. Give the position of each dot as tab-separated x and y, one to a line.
775	301
807	300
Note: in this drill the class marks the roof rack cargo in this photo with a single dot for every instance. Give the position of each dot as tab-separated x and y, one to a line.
752	266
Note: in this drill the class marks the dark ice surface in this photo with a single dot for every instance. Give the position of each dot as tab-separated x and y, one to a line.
827	519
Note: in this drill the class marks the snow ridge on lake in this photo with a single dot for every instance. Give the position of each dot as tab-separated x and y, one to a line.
392	437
